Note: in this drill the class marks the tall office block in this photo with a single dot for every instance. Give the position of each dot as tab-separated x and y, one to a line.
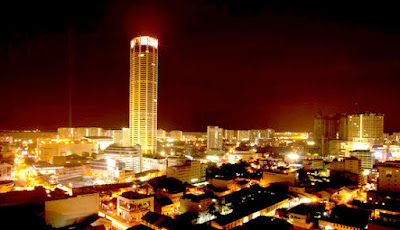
328	129
143	93
214	139
365	127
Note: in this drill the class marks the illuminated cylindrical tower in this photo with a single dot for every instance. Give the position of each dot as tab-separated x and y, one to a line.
143	93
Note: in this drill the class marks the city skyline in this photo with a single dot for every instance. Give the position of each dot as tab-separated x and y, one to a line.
224	115
294	67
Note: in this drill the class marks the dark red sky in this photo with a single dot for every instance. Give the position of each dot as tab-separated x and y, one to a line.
236	64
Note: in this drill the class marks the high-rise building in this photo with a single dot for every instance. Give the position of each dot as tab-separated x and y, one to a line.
161	133
80	132
256	134
243	135
328	128
365	127
176	134
143	93
229	135
121	137
214	139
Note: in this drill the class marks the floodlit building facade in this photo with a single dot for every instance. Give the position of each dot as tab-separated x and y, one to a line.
161	133
63	212
121	137
143	93
154	164
389	176
80	132
132	206
229	135
243	135
176	134
365	156
130	157
214	139
50	149
365	127
187	171
351	164
5	171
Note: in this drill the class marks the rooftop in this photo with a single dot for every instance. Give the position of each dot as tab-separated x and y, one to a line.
349	216
159	220
269	223
305	209
133	195
197	198
248	208
140	227
164	201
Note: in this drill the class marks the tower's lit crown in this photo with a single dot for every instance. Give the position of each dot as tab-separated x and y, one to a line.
144	41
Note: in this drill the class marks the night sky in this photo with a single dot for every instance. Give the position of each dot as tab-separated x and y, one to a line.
236	64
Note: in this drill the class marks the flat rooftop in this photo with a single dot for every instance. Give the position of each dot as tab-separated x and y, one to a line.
133	195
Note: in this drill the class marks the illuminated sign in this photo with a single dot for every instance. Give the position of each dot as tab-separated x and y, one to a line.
145	41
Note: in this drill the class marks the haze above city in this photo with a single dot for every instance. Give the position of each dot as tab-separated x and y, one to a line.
232	65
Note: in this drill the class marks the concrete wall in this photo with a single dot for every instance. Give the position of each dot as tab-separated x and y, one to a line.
64	212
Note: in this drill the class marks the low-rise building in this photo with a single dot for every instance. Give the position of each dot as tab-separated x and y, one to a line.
269	177
5	171
344	218
193	203
154	164
345	194
253	209
348	167
313	164
130	157
158	221
222	182
365	156
164	206
185	170
174	196
6	185
132	205
111	169
68	172
48	149
302	215
389	176
64	212
267	223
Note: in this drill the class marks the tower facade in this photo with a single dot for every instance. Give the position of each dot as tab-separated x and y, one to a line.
143	93
365	127
214	139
